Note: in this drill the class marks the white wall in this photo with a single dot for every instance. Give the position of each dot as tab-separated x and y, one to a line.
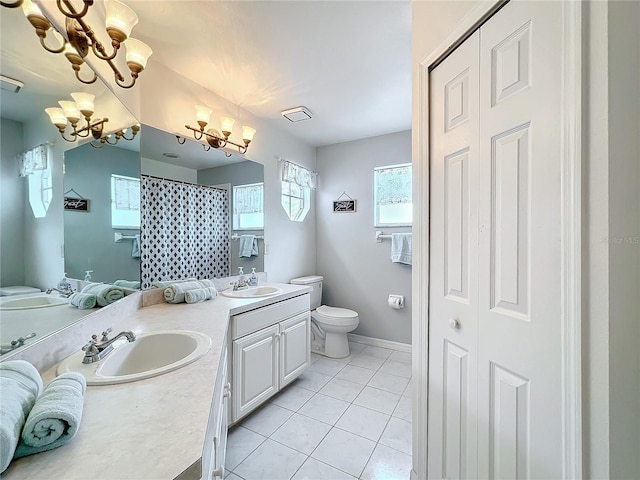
358	271
155	168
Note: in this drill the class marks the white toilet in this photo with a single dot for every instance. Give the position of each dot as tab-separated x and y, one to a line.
329	325
17	290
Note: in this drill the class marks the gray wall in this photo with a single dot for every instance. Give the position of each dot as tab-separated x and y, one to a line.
358	272
12	199
89	237
237	174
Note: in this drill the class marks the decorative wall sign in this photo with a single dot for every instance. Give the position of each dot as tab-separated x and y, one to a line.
344	205
77	204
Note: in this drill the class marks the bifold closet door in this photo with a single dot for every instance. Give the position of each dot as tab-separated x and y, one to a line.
495	408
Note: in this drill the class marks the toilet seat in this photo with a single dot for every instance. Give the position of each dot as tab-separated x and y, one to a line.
334	315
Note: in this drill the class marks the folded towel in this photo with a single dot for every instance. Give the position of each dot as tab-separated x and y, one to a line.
104	292
135	249
133	284
166	283
174	293
248	246
83	301
401	248
20	384
55	418
200	294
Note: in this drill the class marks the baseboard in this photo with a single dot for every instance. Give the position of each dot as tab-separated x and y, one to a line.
378	342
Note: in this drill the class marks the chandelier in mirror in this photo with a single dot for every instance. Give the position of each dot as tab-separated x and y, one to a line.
70	113
114	138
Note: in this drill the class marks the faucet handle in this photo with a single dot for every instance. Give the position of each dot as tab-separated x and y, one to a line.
105	333
90	347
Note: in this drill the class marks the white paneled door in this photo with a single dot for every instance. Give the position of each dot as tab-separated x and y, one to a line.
495	396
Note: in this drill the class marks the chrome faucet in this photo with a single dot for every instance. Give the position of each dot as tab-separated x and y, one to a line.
64	293
6	348
97	350
240	284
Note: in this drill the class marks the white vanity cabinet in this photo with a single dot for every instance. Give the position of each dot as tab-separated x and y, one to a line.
271	348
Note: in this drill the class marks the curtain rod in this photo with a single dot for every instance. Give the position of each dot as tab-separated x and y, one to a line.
280	159
183	182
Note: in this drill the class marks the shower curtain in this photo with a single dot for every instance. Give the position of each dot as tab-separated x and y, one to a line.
184	231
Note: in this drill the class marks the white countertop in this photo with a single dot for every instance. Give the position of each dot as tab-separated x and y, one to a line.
153	428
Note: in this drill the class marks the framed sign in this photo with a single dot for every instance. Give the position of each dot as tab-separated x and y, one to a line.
77	204
342	205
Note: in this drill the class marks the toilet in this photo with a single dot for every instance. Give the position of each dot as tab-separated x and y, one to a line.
329	325
17	290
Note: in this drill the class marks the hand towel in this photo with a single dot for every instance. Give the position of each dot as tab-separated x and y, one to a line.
83	301
104	292
166	283
133	284
200	294
20	384
55	418
174	293
135	249
401	248
248	246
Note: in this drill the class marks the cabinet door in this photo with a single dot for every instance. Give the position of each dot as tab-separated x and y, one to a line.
255	370
295	347
220	440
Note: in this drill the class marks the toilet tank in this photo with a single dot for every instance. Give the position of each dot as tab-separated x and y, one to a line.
315	282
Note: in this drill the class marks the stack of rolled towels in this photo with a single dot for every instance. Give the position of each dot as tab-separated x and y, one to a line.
31	421
101	294
190	291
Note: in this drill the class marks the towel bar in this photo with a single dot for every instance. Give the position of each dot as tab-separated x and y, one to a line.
118	237
237	237
380	236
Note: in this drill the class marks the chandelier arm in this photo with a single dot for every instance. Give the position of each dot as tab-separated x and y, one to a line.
15	4
120	79
100	144
86	82
106	139
127	138
226	154
178	137
52	50
99	50
71	12
206	148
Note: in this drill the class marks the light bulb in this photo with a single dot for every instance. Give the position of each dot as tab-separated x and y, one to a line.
137	53
56	115
70	110
226	124
30	8
84	101
247	134
203	114
120	17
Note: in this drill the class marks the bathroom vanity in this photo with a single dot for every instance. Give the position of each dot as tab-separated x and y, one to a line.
174	425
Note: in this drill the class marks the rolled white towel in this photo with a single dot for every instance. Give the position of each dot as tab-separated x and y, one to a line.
55	418
174	293
83	301
20	384
200	294
105	293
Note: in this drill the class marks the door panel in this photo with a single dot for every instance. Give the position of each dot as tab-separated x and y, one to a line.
295	354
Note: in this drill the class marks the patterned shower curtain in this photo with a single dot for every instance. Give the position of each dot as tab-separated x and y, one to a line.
184	231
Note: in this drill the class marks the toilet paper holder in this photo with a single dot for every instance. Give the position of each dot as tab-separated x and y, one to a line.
396	301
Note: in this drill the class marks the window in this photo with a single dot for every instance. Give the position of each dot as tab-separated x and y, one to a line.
40	191
297	183
125	202
248	207
392	196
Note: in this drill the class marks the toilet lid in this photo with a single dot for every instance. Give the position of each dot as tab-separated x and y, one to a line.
17	290
336	312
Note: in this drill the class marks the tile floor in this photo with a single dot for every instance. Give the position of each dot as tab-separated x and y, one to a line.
342	419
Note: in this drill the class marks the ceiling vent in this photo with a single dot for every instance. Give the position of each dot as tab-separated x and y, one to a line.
297	114
10	84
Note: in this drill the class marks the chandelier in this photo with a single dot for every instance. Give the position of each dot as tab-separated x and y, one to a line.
70	113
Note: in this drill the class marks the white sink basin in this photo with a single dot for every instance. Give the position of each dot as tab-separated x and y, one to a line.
253	292
149	355
36	301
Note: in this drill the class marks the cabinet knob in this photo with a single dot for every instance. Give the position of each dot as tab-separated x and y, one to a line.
454	323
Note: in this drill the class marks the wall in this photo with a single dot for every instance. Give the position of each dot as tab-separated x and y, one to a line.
13	194
155	168
89	236
358	272
237	174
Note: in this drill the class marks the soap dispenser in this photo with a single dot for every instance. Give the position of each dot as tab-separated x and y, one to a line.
240	274
253	278
87	275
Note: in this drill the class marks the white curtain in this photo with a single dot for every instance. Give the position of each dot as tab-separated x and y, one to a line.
184	231
33	160
393	185
248	198
297	174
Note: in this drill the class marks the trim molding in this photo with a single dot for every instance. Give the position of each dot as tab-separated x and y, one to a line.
379	342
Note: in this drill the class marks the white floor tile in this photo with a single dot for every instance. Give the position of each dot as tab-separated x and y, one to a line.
344	451
292	397
376	399
232	476
271	461
397	435
324	408
403	357
387	464
403	409
364	422
327	366
342	389
377	352
312	469
240	443
367	361
356	374
396	368
390	383
355	347
315	357
348	358
267	420
409	390
301	433
313	381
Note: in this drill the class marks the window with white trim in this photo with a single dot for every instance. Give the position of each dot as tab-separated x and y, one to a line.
125	202
297	183
248	206
393	206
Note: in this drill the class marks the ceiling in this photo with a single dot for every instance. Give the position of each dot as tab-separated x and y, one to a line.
348	62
